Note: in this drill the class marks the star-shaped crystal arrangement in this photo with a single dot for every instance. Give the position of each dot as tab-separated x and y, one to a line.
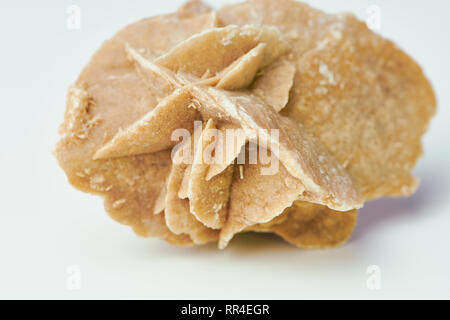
212	78
265	116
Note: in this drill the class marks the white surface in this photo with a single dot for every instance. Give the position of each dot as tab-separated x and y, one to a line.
46	225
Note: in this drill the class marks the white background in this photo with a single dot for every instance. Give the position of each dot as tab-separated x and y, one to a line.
46	225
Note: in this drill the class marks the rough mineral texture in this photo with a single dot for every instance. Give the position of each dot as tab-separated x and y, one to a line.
347	109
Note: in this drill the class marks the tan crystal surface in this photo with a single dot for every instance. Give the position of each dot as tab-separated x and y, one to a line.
215	49
257	198
178	216
242	72
208	199
310	226
324	179
275	83
152	133
353	108
365	99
